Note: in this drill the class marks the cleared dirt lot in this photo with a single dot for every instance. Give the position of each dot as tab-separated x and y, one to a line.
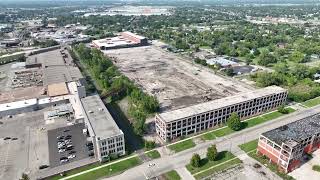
174	81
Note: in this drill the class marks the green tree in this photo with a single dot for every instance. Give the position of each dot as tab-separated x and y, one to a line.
212	152
195	160
234	122
25	176
265	58
297	56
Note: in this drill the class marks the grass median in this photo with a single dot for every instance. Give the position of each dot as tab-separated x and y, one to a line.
312	102
109	170
249	146
154	154
172	175
206	164
181	146
218	168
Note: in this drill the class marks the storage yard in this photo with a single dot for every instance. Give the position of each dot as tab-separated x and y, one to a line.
176	82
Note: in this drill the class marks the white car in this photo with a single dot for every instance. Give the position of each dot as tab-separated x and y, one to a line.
71	156
61	143
64	160
61	150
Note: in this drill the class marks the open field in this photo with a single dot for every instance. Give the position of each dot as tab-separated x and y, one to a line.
154	154
175	82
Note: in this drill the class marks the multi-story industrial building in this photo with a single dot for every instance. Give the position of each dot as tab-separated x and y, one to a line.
106	136
192	119
286	145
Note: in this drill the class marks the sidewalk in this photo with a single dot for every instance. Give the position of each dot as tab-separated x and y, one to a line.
184	173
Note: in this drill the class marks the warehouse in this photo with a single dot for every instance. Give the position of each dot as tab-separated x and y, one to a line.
286	145
106	136
123	40
196	118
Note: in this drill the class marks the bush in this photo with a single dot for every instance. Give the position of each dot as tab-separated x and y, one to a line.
316	168
195	160
149	144
234	122
283	110
212	152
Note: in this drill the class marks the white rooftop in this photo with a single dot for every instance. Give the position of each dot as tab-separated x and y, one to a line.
219	103
18	104
101	121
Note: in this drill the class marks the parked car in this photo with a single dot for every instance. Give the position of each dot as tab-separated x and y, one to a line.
43	166
60	137
14	139
66	130
64	161
89	144
69	148
6	138
72	152
90	148
62	150
71	156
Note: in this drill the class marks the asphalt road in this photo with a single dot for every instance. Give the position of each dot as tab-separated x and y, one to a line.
230	142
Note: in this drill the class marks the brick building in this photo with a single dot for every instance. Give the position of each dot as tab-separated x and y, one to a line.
193	119
286	145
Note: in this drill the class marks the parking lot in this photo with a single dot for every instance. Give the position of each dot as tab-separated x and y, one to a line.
72	136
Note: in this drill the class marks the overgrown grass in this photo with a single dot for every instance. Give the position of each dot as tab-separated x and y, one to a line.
183	145
109	170
172	175
221	167
249	146
312	102
273	167
154	154
205	163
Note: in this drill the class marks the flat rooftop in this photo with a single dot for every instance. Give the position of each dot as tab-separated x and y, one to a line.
113	42
100	119
219	103
296	131
60	74
50	58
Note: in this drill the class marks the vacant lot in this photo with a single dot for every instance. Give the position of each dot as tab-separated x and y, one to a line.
176	82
